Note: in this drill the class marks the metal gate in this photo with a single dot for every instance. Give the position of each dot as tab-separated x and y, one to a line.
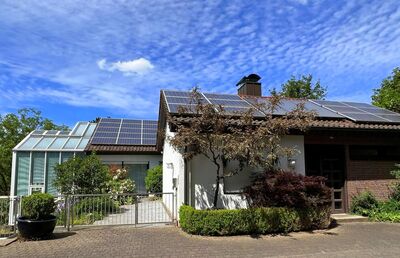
97	210
119	209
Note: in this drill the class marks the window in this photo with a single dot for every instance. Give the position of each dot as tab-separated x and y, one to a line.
384	153
36	189
37	168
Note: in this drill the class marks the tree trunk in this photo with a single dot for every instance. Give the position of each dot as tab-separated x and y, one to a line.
216	192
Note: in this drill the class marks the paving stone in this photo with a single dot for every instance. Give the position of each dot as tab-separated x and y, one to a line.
347	240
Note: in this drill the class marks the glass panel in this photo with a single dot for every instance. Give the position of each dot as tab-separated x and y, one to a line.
137	172
52	159
71	144
58	143
83	143
80	129
37	168
66	156
90	130
22	173
44	143
30	142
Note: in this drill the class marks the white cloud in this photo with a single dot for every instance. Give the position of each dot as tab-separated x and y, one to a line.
137	66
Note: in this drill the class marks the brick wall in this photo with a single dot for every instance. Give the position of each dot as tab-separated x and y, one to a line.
369	175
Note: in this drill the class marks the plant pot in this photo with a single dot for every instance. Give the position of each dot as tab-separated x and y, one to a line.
29	228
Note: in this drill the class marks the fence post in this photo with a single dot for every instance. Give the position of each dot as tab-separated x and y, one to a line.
68	210
137	210
15	211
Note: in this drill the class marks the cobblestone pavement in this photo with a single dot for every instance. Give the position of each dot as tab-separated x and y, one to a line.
349	240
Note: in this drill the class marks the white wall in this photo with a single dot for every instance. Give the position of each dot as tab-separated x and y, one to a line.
203	177
173	167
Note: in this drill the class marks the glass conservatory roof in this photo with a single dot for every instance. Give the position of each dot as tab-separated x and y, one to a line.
52	140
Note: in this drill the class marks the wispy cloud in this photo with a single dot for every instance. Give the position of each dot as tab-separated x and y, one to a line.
83	58
137	66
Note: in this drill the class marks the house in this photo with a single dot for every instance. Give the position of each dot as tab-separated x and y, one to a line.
353	145
119	142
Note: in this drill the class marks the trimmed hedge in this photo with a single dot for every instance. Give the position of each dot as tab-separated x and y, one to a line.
251	221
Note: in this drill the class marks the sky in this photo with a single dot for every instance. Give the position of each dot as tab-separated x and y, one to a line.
78	60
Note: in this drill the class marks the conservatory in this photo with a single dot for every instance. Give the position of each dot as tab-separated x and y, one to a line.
34	158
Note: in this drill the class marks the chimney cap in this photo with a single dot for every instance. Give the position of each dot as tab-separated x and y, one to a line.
250	78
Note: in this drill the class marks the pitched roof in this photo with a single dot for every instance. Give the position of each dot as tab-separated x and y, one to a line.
319	124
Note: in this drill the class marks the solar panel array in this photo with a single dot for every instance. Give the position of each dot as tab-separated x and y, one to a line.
358	112
112	131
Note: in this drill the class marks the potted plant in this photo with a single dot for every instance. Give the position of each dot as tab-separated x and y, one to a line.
37	220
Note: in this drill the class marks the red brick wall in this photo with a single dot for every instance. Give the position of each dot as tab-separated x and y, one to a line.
369	175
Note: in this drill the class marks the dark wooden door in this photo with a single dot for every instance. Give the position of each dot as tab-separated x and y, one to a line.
328	161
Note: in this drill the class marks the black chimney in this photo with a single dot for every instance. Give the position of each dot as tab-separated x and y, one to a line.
249	85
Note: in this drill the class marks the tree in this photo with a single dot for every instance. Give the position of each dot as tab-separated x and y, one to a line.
224	137
153	179
388	95
81	176
13	129
302	88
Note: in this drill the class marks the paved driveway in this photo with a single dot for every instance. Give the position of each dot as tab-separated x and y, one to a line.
351	240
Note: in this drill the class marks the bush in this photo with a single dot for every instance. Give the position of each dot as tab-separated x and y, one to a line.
38	206
395	194
81	176
288	189
363	203
153	180
250	221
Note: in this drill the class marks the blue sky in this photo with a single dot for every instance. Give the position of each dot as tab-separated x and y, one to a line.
77	60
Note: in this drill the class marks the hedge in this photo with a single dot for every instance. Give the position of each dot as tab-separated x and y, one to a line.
251	221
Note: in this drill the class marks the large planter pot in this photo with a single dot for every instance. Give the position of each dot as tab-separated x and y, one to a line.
28	228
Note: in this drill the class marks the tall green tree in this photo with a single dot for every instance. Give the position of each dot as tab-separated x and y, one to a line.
388	95
13	129
302	88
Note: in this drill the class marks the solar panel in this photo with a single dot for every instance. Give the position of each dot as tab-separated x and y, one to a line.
110	120
364	117
106	134
130	135
331	103
392	118
222	96
126	131
131	130
170	93
100	140
107	129
149	141
128	141
344	109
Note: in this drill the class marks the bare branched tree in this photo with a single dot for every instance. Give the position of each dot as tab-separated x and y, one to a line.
251	138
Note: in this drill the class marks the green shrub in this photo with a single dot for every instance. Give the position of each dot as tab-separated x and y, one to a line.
87	175
153	180
395	194
363	203
250	221
38	206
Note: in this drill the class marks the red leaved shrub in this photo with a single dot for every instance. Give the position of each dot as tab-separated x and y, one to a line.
288	189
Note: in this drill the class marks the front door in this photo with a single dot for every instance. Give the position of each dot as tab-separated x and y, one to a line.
328	161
